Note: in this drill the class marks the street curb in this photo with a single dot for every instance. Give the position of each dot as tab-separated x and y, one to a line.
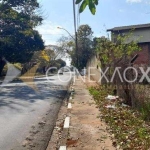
69	106
62	148
56	140
67	123
63	143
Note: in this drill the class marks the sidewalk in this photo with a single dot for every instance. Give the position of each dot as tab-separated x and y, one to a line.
86	130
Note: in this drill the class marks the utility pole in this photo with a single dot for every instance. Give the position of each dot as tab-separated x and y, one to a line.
75	29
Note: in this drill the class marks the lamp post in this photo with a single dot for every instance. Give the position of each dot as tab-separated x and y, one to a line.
76	44
66	31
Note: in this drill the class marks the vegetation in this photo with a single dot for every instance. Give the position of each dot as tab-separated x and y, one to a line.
18	39
64	46
109	52
45	59
117	54
91	3
127	126
84	50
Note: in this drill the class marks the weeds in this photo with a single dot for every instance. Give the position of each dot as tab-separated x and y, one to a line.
127	125
145	111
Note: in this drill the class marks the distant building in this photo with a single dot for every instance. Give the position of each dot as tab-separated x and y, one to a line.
139	33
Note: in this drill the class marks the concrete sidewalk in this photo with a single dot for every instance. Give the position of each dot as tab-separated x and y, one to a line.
86	131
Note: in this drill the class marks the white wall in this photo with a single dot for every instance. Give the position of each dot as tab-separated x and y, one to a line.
93	69
138	35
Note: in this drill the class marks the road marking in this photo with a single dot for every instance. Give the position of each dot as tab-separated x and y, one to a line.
67	122
69	106
70	98
62	148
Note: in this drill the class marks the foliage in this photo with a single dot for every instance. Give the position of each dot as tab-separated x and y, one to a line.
117	54
59	63
50	53
18	39
110	52
91	3
142	100
85	49
128	129
65	45
42	57
45	56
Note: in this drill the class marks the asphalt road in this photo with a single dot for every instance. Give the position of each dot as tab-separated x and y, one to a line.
22	108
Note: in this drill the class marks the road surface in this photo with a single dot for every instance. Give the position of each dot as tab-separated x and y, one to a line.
24	109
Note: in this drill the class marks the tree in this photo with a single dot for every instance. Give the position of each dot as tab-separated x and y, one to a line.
18	39
85	48
48	58
91	3
42	57
65	47
61	63
114	55
110	53
50	53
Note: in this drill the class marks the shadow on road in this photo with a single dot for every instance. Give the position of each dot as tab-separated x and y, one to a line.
14	94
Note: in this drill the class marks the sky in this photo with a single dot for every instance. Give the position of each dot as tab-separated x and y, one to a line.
110	13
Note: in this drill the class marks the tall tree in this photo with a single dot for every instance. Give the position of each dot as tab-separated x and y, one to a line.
85	49
118	54
18	39
65	46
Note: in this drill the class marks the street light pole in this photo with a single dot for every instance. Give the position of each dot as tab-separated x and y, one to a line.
76	44
75	28
67	32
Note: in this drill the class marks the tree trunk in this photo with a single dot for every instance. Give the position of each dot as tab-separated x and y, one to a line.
2	64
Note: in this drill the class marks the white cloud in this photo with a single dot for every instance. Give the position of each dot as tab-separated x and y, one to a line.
49	31
134	1
49	28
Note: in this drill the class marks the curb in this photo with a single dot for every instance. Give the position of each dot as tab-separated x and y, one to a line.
61	128
62	148
66	126
67	123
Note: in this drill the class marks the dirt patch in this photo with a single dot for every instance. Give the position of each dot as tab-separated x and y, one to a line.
72	143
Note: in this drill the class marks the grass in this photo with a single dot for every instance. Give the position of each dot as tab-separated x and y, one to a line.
128	126
145	111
